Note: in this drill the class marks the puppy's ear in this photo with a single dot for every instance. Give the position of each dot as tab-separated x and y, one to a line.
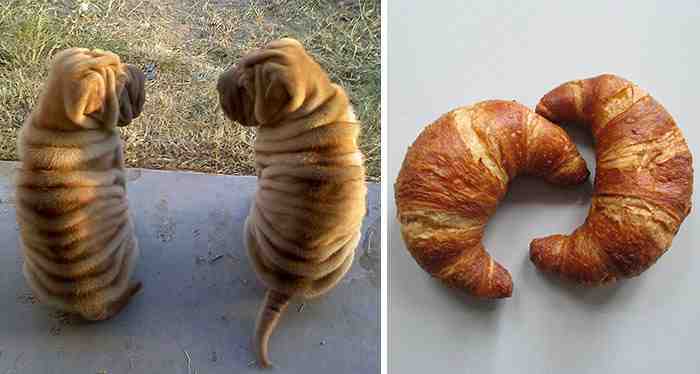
261	89
274	90
87	81
132	95
81	89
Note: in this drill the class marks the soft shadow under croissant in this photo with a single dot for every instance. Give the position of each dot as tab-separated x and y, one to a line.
455	174
643	182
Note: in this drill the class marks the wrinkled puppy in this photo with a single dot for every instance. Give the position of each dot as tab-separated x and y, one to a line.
304	224
76	233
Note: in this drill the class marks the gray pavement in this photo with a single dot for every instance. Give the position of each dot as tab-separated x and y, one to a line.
200	298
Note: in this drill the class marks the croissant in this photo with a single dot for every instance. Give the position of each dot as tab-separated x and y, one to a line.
304	223
455	174
643	182
75	231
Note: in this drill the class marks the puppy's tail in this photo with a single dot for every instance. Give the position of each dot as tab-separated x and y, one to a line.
273	306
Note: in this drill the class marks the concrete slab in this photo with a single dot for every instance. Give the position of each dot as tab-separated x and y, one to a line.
197	310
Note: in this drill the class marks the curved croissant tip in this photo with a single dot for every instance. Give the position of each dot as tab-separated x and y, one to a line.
497	293
577	174
537	246
544	251
501	289
497	285
542	110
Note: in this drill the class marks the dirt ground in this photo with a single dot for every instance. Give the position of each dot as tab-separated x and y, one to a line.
183	45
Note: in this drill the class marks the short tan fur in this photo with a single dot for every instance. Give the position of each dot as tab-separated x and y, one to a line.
76	233
304	224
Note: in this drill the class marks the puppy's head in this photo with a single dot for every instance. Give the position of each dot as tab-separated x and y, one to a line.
271	84
91	89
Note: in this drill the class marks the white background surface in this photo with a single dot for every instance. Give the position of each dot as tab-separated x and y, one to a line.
442	56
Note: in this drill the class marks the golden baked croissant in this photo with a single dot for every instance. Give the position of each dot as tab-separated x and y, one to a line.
304	223
643	182
455	174
75	231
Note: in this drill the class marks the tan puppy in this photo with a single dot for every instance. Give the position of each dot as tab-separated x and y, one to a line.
76	234
304	224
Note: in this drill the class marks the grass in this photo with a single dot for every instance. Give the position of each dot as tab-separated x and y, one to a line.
188	43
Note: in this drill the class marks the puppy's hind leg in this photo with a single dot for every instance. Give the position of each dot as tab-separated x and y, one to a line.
109	310
132	289
111	304
115	307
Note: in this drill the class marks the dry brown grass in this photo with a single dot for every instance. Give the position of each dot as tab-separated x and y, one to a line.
189	42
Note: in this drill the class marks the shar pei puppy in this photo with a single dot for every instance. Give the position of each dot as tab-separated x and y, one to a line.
76	234
304	223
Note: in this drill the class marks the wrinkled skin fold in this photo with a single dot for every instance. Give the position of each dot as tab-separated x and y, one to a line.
455	174
76	234
643	183
304	223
